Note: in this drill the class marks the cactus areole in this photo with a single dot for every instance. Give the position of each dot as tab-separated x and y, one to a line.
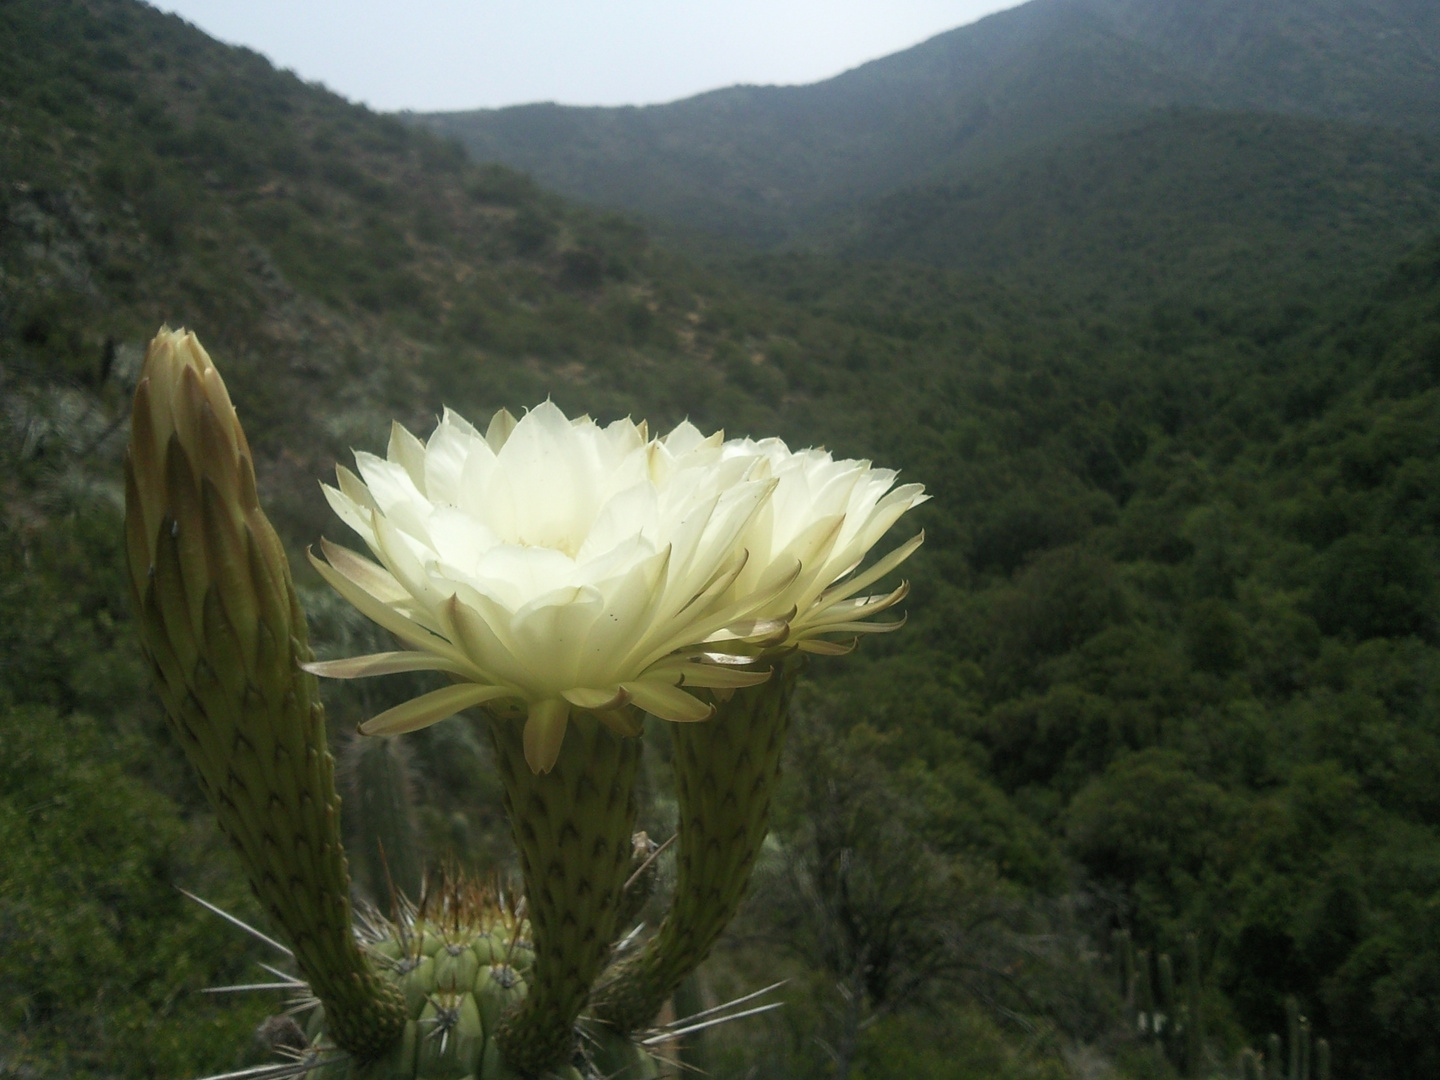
566	578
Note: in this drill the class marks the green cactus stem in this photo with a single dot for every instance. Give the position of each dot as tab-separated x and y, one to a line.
1166	1004
225	636
381	792
1322	1059
1292	1026
1194	1008
1273	1066
725	774
573	829
1125	947
1144	998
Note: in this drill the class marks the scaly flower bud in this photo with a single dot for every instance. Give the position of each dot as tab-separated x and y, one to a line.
226	638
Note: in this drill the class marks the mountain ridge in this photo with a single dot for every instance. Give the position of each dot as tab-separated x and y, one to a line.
769	162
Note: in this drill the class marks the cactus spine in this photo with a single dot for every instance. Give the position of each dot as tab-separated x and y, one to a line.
225	636
725	774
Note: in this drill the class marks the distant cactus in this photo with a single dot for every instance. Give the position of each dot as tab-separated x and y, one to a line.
1157	1008
380	789
1194	1009
1307	1058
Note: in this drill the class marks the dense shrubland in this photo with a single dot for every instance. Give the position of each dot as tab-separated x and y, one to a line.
1172	658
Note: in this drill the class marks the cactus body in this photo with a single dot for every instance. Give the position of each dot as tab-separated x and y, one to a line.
462	961
380	790
573	827
725	771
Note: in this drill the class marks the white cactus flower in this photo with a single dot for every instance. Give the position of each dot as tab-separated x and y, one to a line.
556	562
821	521
571	566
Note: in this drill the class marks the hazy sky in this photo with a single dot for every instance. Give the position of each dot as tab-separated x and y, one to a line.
456	54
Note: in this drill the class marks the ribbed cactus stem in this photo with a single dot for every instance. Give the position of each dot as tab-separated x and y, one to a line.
1322	1059
1273	1066
225	636
688	1001
572	827
1292	1025
1125	947
1249	1065
1144	998
725	774
1194	1008
1304	1049
381	793
1166	1005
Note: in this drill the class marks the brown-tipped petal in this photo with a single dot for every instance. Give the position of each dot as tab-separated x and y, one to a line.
706	675
759	632
851	586
627	723
866	627
369	575
545	733
387	663
669	702
386	616
721	580
597	700
860	608
431	708
821	647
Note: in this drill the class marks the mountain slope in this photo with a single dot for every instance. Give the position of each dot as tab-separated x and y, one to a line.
1186	203
765	162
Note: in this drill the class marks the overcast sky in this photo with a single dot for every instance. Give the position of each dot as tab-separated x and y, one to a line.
458	54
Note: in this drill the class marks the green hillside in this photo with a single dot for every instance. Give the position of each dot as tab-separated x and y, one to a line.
1173	661
767	163
1207	206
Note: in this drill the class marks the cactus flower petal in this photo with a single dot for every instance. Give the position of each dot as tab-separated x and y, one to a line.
557	562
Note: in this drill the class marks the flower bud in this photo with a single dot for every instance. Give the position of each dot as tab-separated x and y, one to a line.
225	635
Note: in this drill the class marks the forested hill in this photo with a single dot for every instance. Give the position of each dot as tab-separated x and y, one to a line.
1209	206
766	162
1173	664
